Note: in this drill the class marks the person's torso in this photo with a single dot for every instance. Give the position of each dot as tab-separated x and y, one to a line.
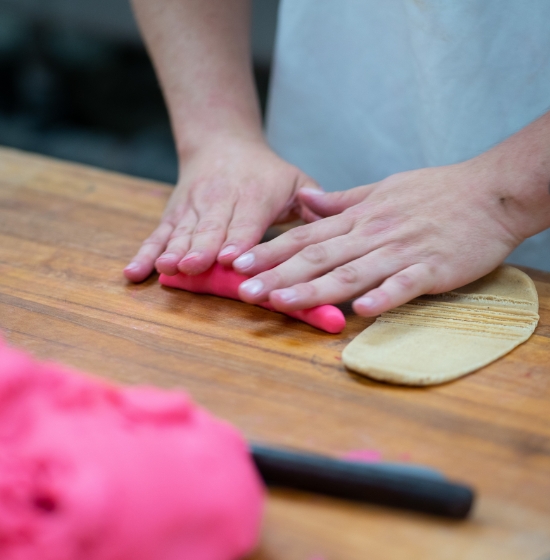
362	89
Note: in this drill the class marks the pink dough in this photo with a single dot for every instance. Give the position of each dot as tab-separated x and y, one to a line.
91	471
222	281
364	455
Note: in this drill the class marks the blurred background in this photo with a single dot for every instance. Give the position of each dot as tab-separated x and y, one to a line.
77	84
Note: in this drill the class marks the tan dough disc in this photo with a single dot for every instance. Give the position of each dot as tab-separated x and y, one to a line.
437	338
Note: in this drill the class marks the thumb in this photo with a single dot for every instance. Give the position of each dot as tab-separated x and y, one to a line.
305	213
328	204
294	207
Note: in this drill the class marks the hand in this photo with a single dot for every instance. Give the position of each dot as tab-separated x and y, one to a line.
228	194
424	231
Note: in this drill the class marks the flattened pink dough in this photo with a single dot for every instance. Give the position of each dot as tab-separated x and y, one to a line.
90	471
222	281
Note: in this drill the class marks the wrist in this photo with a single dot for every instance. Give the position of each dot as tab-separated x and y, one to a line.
207	135
222	145
212	115
516	176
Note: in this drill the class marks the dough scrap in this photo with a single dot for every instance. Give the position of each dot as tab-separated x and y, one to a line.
437	338
221	281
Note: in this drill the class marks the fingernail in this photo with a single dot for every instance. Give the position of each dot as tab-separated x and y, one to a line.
366	301
168	256
309	190
132	266
244	261
252	287
190	256
229	250
288	294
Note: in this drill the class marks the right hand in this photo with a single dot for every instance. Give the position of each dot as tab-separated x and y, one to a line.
228	194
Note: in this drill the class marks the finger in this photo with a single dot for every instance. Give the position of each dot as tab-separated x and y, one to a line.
308	216
309	263
341	284
245	231
311	185
178	245
267	255
208	236
398	289
329	204
294	208
143	263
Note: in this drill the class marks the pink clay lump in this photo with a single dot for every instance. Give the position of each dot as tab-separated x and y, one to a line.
222	281
91	471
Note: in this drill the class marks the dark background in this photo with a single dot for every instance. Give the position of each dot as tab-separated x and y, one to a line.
77	84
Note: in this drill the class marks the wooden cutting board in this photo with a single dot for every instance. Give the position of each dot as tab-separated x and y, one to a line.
66	232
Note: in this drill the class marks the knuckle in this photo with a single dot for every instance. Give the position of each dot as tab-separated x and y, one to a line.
355	212
377	224
404	280
363	228
434	262
382	296
156	238
159	235
307	290
401	250
183	226
272	278
242	226
346	274
180	231
170	221
435	274
299	234
153	239
315	254
209	226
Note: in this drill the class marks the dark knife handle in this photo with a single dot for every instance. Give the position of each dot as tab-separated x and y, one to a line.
364	482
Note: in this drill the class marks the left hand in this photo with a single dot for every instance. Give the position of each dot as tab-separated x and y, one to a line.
229	192
420	232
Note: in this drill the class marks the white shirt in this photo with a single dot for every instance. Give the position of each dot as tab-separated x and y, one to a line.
362	89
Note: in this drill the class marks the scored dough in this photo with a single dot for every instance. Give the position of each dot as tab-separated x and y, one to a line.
437	338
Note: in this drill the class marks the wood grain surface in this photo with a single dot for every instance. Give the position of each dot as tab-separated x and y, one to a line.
67	231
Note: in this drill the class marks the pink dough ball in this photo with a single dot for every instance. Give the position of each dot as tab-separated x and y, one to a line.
91	471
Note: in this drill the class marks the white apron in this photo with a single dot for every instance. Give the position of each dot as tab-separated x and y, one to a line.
362	89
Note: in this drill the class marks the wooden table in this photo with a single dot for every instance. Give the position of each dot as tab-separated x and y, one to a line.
66	232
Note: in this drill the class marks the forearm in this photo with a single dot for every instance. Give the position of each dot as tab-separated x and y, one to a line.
519	171
201	52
